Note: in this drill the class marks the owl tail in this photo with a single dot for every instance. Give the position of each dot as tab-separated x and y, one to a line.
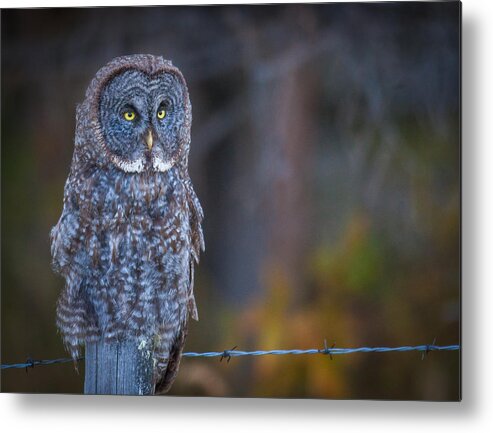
168	364
73	324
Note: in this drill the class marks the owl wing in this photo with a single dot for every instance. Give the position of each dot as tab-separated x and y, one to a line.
69	260
164	382
169	358
64	233
197	242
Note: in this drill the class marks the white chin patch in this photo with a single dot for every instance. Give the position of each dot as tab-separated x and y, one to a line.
136	166
161	165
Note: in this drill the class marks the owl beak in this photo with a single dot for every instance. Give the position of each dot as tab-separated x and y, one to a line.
149	139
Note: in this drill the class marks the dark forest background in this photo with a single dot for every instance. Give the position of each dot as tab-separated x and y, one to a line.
326	154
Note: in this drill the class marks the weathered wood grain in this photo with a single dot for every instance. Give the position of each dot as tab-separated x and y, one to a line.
118	368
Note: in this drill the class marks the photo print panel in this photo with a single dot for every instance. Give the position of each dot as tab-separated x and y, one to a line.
232	200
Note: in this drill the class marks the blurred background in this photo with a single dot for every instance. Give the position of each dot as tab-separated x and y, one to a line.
326	155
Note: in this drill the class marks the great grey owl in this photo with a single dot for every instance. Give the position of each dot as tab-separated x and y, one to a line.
130	228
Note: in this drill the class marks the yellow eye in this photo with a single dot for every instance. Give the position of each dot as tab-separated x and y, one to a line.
161	114
129	115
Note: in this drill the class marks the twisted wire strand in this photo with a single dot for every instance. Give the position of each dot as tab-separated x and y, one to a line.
228	354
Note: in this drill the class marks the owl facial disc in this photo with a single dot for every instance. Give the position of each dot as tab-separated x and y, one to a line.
144	120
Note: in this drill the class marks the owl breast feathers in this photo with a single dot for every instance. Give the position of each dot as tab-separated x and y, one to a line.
130	229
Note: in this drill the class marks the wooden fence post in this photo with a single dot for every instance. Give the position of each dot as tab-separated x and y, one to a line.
118	368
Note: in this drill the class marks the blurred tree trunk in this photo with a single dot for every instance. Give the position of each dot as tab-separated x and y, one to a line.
287	144
271	194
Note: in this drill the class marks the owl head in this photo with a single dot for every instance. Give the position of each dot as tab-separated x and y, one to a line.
137	114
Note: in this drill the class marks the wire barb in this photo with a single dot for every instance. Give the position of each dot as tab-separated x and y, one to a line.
428	349
227	355
30	363
326	350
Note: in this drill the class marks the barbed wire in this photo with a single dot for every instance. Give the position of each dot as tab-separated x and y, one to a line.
232	353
